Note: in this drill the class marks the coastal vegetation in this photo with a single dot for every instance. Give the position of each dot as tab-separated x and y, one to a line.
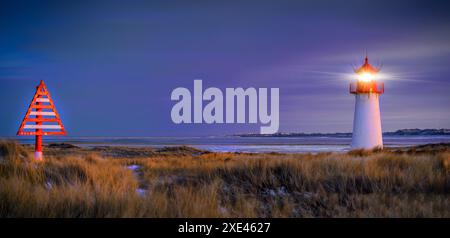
187	182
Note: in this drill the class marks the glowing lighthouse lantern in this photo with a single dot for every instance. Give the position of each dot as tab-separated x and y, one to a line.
46	120
367	121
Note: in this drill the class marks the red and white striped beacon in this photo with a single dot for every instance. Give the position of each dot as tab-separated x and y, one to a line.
46	120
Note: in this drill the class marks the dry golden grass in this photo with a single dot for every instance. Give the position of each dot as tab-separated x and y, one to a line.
186	183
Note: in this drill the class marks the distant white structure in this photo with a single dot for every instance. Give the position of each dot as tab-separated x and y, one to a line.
367	121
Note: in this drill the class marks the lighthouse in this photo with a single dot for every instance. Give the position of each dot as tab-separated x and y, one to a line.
367	121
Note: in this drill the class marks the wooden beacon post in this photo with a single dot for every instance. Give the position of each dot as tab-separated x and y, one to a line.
42	112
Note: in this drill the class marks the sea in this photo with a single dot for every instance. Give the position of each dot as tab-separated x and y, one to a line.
307	144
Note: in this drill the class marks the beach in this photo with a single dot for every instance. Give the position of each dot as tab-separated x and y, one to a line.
185	181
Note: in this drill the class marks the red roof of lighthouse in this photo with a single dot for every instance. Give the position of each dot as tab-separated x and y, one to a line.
366	67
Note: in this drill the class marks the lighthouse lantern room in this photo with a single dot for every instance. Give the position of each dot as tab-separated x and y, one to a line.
367	121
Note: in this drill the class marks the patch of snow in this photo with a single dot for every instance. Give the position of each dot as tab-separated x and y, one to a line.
48	185
272	192
133	167
223	210
141	192
308	195
280	192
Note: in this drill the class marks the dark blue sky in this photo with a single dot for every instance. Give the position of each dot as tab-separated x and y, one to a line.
111	66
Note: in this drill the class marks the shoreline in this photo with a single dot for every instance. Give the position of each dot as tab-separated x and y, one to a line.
238	144
219	146
174	150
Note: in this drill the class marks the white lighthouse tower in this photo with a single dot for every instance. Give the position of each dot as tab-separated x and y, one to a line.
367	121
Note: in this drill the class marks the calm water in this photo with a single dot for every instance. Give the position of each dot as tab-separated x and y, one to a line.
240	144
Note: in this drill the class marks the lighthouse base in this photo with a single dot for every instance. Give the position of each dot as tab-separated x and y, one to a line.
367	122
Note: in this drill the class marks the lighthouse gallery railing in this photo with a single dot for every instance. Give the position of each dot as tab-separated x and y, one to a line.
366	87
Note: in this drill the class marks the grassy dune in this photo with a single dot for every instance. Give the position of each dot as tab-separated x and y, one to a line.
185	182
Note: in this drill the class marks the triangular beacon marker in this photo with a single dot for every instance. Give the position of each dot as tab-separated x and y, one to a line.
43	117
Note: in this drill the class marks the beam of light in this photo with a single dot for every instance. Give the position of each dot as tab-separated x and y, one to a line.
382	76
385	75
366	77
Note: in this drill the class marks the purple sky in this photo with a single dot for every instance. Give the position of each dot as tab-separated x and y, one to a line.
111	66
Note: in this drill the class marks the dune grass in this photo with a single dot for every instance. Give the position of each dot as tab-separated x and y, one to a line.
381	183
